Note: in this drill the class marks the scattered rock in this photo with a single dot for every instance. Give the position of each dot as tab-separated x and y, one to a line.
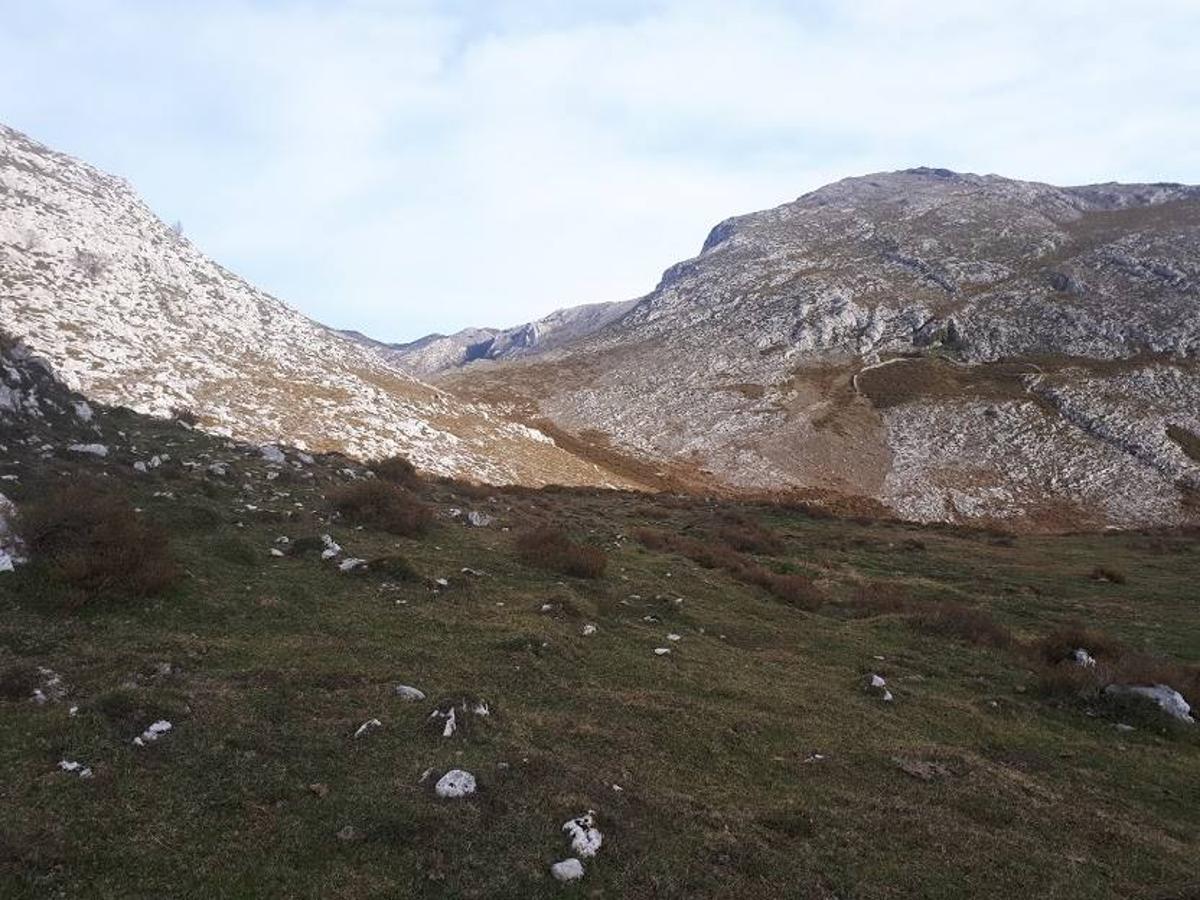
272	454
89	449
75	768
350	564
674	637
410	694
567	870
349	833
585	836
332	548
877	681
455	783
478	519
153	733
367	727
661	651
589	629
1083	658
319	789
1168	699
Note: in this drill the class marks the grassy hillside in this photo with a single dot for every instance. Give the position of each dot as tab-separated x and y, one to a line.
753	760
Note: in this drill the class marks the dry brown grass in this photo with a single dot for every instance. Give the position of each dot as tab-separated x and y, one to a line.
975	626
548	547
794	589
92	539
746	536
383	505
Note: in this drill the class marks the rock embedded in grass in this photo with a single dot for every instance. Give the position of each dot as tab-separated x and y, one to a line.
568	870
367	727
1168	699
455	783
153	733
585	837
408	693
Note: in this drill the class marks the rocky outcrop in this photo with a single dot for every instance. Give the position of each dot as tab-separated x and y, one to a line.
1052	336
129	312
438	352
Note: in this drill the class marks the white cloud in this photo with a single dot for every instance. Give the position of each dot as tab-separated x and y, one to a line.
400	167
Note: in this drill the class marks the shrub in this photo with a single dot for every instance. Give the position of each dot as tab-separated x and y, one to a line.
1060	645
397	470
383	505
236	550
307	544
798	590
395	568
975	626
93	540
1104	573
548	547
750	537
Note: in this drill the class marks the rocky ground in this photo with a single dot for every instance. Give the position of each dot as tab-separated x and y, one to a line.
742	699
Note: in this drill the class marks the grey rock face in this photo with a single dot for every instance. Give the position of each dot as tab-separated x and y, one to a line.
129	312
743	365
438	352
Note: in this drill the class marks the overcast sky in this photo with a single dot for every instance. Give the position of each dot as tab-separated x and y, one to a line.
410	166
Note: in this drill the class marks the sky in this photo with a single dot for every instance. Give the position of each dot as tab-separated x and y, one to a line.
413	166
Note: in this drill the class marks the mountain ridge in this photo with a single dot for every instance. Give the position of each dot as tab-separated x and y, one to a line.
131	313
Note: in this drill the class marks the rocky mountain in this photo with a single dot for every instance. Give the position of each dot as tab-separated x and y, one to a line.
950	346
438	352
129	312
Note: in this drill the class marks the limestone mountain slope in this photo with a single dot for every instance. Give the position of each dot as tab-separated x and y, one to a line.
438	352
129	312
953	346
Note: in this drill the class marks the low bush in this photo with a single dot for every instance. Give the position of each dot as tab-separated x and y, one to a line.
975	626
548	547
383	505
1060	645
397	470
236	550
93	540
750	537
797	590
394	568
1104	573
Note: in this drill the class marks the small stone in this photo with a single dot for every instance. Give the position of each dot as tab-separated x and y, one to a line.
367	727
409	694
319	789
661	651
455	783
349	833
589	629
567	870
877	682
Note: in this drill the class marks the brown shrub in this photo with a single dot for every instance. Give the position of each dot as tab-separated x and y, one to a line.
397	470
548	547
383	505
750	537
1061	644
880	597
1104	573
975	626
798	590
94	540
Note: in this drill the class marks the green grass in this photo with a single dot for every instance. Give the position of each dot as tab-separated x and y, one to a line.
276	662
